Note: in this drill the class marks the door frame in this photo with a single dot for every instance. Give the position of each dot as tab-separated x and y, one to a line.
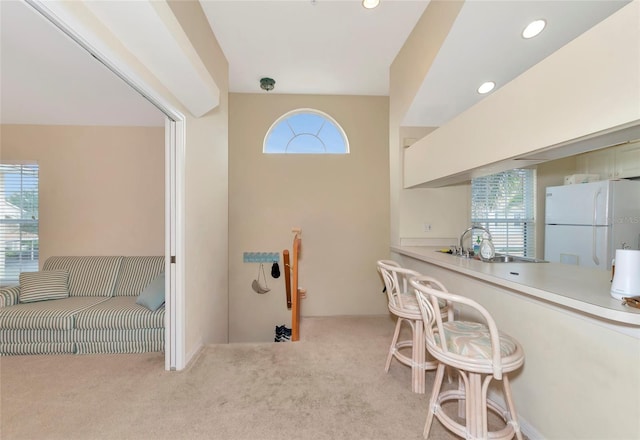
174	177
174	245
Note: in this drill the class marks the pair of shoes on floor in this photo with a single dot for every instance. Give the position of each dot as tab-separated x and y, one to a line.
283	334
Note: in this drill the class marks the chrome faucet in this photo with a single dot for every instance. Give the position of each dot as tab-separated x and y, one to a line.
472	228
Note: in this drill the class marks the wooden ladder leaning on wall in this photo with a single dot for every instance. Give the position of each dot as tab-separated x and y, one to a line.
291	284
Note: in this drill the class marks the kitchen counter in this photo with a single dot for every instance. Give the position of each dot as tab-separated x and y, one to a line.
582	346
577	288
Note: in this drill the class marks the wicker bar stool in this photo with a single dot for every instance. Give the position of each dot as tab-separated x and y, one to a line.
479	353
403	304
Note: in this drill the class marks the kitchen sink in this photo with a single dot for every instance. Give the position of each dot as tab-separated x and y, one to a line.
504	258
499	258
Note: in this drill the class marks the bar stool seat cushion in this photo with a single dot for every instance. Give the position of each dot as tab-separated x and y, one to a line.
409	302
472	340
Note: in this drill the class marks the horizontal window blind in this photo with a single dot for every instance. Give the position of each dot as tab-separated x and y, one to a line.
18	221
504	203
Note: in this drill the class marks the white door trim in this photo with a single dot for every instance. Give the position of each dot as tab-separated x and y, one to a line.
174	245
174	177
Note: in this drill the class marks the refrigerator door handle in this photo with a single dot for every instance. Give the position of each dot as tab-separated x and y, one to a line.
594	250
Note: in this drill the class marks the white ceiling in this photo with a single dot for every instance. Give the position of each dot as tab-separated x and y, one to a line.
47	78
322	47
485	44
308	47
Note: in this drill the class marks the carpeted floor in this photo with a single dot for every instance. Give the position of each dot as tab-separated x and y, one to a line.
330	385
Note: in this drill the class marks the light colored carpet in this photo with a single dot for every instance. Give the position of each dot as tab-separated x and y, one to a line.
330	385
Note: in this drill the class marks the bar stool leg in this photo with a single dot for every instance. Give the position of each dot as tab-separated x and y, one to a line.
394	341
462	408
511	407
433	400
475	406
419	353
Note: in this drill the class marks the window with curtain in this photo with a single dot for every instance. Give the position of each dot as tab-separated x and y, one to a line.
18	220
504	203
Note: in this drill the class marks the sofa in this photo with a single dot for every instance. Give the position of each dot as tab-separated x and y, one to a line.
87	304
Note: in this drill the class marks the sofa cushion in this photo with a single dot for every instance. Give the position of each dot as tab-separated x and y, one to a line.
35	336
9	296
120	312
119	347
152	297
57	314
38	348
45	285
21	341
136	273
118	340
118	335
88	276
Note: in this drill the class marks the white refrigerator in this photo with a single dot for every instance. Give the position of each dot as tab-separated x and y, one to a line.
585	223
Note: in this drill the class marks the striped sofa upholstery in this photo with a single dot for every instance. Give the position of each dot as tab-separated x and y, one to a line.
99	316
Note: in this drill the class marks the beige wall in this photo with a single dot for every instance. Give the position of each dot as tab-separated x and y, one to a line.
101	188
206	193
446	209
341	202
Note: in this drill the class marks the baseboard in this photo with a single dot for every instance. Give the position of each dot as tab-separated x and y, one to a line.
529	431
192	356
527	428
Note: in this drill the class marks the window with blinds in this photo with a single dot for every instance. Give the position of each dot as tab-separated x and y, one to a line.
504	203
18	220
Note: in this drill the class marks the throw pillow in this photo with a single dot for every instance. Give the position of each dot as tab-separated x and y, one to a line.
44	285
152	297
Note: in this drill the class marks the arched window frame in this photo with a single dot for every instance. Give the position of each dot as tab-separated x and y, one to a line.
322	114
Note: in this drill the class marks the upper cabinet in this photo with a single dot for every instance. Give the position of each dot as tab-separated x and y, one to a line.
597	162
620	162
627	161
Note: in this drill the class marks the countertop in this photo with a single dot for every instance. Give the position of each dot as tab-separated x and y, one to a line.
578	288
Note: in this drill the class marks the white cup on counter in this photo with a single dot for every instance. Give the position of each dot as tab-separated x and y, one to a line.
626	278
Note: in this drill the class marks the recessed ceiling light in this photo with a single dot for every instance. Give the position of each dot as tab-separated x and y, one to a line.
370	4
533	28
486	87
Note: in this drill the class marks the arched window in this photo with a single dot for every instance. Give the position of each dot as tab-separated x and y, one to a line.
305	131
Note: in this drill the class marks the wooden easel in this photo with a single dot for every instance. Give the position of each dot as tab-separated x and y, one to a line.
291	284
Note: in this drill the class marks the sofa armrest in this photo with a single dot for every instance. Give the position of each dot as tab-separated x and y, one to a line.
9	296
